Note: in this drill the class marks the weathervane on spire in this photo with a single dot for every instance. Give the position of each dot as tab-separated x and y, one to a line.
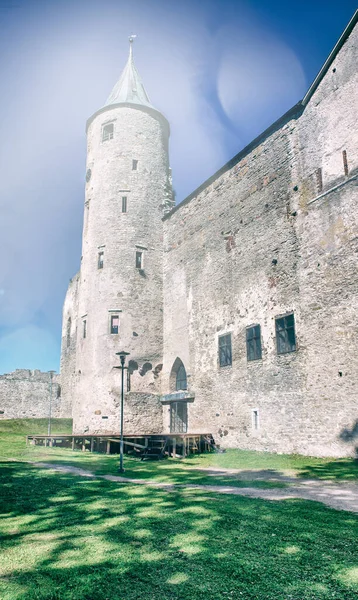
132	38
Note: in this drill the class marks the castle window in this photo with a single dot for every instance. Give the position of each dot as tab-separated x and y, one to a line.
225	354
255	419
100	260
253	342
285	334
181	381
139	259
134	165
68	332
124	204
84	330
178	417
107	132
319	180
114	324
345	162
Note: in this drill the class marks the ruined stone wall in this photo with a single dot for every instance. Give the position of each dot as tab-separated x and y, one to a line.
26	394
256	244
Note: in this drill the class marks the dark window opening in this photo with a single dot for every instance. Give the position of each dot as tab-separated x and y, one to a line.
139	260
345	162
225	354
253	343
134	165
107	132
181	381
178	417
319	180
124	204
84	331
68	332
255	419
285	334
128	380
114	324
100	260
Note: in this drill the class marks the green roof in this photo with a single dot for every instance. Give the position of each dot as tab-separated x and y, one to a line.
129	89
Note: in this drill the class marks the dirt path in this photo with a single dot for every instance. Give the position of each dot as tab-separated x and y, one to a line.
341	496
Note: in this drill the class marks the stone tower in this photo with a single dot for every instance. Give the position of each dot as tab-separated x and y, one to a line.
118	303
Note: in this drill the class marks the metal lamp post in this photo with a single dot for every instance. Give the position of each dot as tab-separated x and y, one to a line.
122	355
50	404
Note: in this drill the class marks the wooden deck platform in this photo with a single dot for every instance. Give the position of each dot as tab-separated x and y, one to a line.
176	445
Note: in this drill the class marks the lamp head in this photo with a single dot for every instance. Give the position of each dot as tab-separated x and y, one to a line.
122	355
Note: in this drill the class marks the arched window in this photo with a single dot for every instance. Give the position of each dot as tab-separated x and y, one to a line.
68	332
181	383
178	379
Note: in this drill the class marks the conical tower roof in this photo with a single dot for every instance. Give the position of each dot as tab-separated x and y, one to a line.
129	89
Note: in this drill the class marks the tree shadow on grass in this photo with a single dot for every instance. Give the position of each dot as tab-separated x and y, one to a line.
340	468
334	470
69	538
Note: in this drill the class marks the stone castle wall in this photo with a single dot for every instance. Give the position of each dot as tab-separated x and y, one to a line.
274	232
261	240
26	394
142	415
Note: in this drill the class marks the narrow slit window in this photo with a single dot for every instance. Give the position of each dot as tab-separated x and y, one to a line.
255	419
100	260
253	343
225	354
128	381
107	132
134	165
124	204
68	332
139	260
319	180
84	328
285	334
114	324
345	162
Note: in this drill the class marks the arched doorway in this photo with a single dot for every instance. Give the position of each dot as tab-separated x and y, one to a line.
178	409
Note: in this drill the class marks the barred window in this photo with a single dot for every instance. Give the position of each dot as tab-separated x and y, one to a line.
225	355
100	260
285	334
253	342
124	204
114	324
107	132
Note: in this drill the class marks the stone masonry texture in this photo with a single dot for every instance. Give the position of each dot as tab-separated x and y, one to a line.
26	394
273	233
261	241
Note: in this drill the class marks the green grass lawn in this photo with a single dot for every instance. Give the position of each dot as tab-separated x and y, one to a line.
256	466
64	537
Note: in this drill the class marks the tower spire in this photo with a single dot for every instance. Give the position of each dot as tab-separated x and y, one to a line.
129	89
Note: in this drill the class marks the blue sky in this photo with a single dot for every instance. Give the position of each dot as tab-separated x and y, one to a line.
220	71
